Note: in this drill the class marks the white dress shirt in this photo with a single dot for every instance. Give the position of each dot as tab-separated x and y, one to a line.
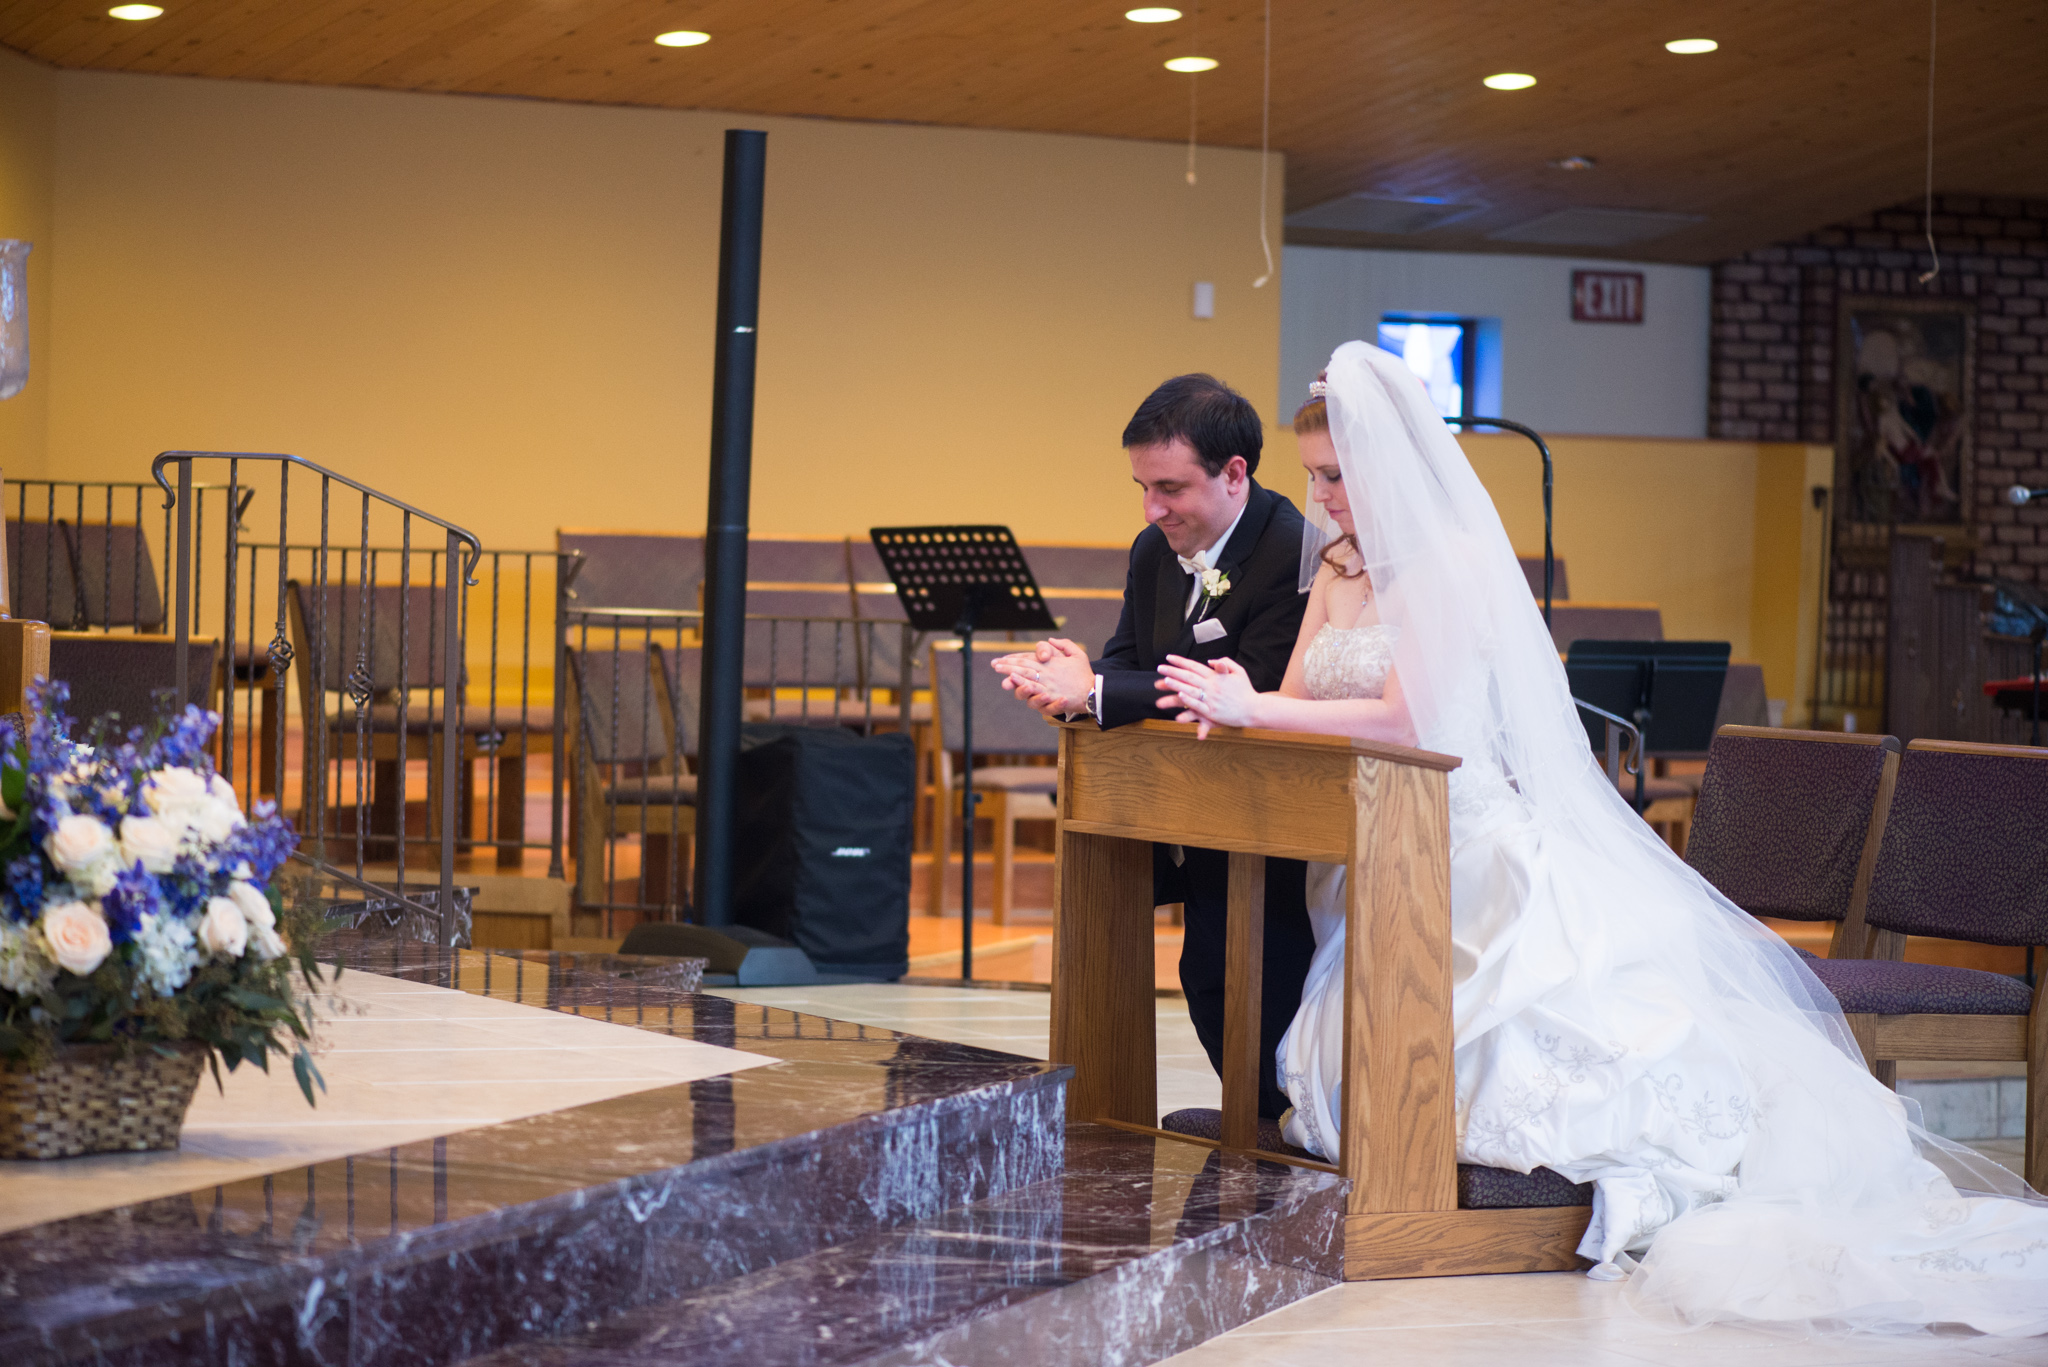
1208	560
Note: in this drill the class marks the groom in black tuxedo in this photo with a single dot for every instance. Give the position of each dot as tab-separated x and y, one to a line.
1217	573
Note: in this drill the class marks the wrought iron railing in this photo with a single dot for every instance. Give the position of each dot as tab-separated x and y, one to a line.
344	628
78	551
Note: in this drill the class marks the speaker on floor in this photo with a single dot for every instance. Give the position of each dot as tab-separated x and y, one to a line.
822	850
735	956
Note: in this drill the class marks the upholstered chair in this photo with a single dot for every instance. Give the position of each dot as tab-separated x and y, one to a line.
1789	822
629	731
1965	857
388	638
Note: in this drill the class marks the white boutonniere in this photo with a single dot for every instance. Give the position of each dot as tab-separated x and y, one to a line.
1215	584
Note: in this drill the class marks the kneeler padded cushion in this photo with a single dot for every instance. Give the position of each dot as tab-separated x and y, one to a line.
1478	1188
1504	1189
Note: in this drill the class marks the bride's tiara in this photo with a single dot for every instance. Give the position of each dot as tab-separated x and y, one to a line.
1317	389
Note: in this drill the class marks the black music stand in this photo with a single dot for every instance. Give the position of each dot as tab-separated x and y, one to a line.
962	580
1670	689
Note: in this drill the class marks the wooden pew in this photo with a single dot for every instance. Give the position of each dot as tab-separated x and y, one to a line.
1384	810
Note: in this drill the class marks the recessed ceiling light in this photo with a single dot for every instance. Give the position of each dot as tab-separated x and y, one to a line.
1152	14
135	11
1686	47
682	37
1191	64
1573	164
1510	80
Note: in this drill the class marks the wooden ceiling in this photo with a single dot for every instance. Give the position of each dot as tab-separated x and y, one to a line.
1810	112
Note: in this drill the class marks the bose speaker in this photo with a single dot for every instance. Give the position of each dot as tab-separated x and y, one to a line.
822	855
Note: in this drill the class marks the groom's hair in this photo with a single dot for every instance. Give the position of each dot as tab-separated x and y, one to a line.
1207	414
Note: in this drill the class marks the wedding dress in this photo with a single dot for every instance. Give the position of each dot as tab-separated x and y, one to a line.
1616	1019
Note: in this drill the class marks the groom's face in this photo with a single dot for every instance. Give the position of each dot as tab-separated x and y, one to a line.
1190	505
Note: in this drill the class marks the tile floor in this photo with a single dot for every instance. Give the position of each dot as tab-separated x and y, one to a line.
1551	1319
1540	1320
403	1061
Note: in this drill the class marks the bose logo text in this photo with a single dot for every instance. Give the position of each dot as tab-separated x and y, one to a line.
852	852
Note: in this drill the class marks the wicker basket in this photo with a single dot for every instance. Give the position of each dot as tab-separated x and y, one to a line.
94	1098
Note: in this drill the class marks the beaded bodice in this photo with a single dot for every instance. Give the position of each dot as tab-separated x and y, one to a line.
1353	662
1349	662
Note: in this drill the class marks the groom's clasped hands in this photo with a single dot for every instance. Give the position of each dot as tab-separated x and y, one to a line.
1055	678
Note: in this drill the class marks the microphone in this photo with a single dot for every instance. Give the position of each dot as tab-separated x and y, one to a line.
2020	495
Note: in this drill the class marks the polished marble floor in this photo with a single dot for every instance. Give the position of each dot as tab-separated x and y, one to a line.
403	1061
1540	1320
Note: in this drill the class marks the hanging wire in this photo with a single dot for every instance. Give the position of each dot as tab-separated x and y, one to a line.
1933	32
1193	88
1265	145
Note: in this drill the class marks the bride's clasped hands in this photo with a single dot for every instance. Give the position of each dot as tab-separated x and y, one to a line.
1216	694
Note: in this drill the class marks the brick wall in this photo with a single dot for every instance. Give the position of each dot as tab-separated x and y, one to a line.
1773	363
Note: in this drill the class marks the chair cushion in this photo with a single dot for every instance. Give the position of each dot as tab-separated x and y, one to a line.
1884	988
1018	778
659	789
1504	1189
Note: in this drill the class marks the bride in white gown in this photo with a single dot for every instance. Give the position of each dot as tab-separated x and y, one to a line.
1617	1020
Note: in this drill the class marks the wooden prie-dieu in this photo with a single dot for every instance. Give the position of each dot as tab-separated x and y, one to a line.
1383	810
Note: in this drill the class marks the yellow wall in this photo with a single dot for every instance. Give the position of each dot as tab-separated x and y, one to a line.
27	91
1721	535
502	310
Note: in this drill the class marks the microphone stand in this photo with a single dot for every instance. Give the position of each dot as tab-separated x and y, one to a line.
1549	555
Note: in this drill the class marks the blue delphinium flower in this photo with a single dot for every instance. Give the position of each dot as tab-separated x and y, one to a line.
136	894
22	898
264	844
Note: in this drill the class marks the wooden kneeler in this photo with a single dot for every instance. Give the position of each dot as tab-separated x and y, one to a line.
1383	809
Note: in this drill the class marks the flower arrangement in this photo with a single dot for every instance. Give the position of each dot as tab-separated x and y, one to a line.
136	900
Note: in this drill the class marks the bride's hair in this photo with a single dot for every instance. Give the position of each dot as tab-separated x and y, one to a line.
1314	416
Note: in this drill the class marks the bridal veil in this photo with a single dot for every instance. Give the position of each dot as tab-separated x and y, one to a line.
1626	1024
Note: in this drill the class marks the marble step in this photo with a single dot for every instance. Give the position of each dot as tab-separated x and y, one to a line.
1140	1249
440	1250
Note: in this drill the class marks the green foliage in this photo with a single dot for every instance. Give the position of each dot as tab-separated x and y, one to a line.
243	1010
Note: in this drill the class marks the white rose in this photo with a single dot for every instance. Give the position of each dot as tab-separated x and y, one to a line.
77	936
266	943
222	791
174	790
213	822
80	845
222	930
255	906
149	842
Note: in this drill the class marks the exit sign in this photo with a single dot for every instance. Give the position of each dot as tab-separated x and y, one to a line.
1607	296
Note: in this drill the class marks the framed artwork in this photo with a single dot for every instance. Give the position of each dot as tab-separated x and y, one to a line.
1904	393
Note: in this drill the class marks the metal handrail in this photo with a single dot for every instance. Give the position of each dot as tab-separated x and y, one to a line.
361	680
1615	762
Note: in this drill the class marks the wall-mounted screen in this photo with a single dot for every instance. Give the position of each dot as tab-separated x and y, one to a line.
1441	352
